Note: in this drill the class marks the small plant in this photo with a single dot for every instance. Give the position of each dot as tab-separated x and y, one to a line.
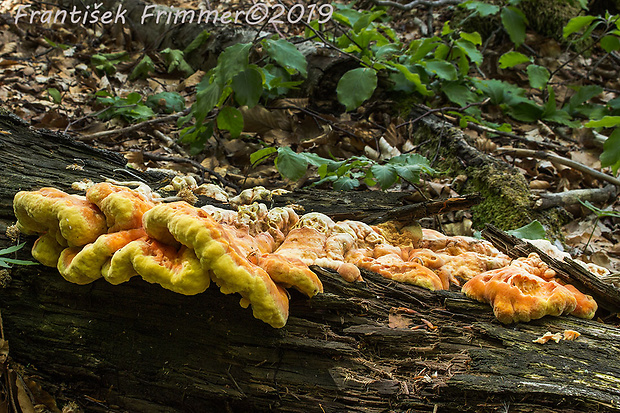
5	261
600	213
131	108
350	173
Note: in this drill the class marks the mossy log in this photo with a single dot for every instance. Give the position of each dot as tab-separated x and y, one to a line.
376	346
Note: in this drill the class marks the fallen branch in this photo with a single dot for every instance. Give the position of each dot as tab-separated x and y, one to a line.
137	126
529	153
567	198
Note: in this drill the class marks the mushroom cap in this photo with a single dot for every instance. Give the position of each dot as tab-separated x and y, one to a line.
176	270
517	295
47	250
179	222
122	206
84	265
71	219
391	265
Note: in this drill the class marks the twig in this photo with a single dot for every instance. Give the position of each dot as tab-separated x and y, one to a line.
528	153
411	5
548	200
86	138
486	129
195	164
430	111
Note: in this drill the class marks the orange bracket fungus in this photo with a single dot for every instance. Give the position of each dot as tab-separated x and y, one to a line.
516	295
122	207
180	223
117	233
178	270
71	219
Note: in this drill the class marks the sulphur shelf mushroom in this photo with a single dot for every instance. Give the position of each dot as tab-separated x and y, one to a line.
180	223
517	295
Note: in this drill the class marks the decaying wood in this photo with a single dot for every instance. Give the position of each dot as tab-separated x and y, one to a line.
563	199
374	346
372	207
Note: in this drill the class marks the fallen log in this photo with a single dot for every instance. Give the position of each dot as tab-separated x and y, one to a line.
374	346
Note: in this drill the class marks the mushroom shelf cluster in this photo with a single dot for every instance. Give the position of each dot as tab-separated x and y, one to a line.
116	233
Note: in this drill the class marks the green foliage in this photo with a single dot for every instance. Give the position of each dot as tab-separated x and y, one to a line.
347	174
106	63
131	108
175	59
533	230
5	261
428	67
356	86
230	119
511	59
166	102
143	69
55	95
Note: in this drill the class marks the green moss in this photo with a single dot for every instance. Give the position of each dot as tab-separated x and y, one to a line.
506	203
507	200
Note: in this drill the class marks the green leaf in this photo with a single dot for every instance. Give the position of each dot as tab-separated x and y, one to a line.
385	175
533	230
474	37
287	55
18	262
356	86
610	43
410	173
231	61
413	78
458	93
525	111
512	59
601	213
55	95
12	248
206	100
168	102
538	76
480	8
583	94
248	87
230	119
576	24
261	154
606	122
421	47
345	183
197	42
290	164
442	69
514	22
142	69
470	50
611	151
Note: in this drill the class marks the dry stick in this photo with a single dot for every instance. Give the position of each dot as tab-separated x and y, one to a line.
411	5
430	111
482	128
195	164
548	200
528	153
86	138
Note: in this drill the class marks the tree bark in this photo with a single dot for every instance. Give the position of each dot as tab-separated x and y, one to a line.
375	346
